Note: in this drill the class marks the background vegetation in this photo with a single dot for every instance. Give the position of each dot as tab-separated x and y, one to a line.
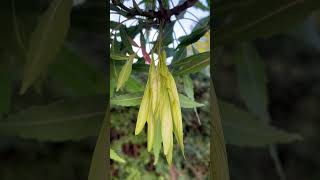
53	92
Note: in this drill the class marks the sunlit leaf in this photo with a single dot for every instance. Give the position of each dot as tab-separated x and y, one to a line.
114	156
193	37
188	102
125	72
242	129
127	99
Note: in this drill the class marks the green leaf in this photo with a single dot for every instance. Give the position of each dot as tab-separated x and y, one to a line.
193	37
46	41
260	19
125	39
100	160
186	102
188	86
125	72
180	54
191	59
134	86
218	156
67	119
242	129
127	100
192	64
119	56
252	80
188	89
114	156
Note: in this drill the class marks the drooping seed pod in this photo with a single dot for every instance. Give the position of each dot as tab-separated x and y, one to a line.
143	111
176	110
150	135
166	124
157	140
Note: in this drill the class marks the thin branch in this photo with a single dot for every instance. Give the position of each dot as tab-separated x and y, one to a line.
162	14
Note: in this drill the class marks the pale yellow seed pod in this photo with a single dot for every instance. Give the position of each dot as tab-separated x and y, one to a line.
155	86
151	128
143	110
169	155
176	110
166	124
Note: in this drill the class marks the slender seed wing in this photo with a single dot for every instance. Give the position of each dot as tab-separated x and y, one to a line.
150	122
166	124
143	110
157	140
176	110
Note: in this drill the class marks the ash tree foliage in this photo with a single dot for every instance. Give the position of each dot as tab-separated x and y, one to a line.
150	68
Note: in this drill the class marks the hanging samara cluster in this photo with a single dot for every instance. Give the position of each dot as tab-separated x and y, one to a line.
160	109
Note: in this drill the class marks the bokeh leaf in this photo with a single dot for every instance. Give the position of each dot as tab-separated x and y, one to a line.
46	41
75	76
260	19
100	159
252	80
218	156
242	129
67	119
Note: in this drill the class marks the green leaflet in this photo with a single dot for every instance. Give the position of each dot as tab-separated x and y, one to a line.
69	117
193	37
46	41
125	39
100	159
127	100
180	54
188	103
188	86
134	99
242	129
125	72
191	64
188	89
191	59
133	85
119	57
114	156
